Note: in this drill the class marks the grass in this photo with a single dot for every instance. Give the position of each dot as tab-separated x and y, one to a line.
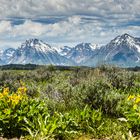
70	104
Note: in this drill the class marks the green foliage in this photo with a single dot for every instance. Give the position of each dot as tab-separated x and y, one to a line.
101	95
10	105
68	103
132	112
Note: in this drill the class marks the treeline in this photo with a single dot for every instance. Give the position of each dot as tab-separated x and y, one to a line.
53	67
19	67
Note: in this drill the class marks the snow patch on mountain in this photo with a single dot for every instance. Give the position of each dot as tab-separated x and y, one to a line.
38	45
35	51
124	50
63	50
94	46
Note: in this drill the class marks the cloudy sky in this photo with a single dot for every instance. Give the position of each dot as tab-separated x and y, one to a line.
67	21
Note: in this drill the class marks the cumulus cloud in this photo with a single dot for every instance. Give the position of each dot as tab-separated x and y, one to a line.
28	28
71	26
36	29
68	20
5	26
35	8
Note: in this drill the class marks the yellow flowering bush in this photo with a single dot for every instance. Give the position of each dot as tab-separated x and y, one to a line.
10	103
135	101
133	112
11	99
15	109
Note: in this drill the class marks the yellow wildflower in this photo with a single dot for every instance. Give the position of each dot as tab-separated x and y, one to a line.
130	97
5	91
15	102
14	98
137	100
1	96
10	97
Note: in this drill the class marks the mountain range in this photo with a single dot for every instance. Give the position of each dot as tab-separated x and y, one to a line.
124	51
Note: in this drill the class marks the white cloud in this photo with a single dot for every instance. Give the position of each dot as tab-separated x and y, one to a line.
84	20
35	8
72	29
5	26
29	28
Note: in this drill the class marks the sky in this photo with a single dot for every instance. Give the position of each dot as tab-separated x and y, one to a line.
67	21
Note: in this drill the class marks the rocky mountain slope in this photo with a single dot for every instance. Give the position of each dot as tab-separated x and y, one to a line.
35	51
124	51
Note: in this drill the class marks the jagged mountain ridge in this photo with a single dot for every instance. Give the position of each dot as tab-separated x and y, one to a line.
81	52
35	51
124	51
64	50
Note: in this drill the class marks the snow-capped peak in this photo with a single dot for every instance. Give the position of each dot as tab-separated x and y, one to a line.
125	36
94	46
126	39
37	44
121	38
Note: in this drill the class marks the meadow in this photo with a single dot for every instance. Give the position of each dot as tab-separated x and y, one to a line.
69	103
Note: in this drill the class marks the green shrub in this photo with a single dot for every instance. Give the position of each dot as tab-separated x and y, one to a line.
101	95
131	111
14	108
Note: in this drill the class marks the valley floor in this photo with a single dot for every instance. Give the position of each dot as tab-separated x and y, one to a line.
70	103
